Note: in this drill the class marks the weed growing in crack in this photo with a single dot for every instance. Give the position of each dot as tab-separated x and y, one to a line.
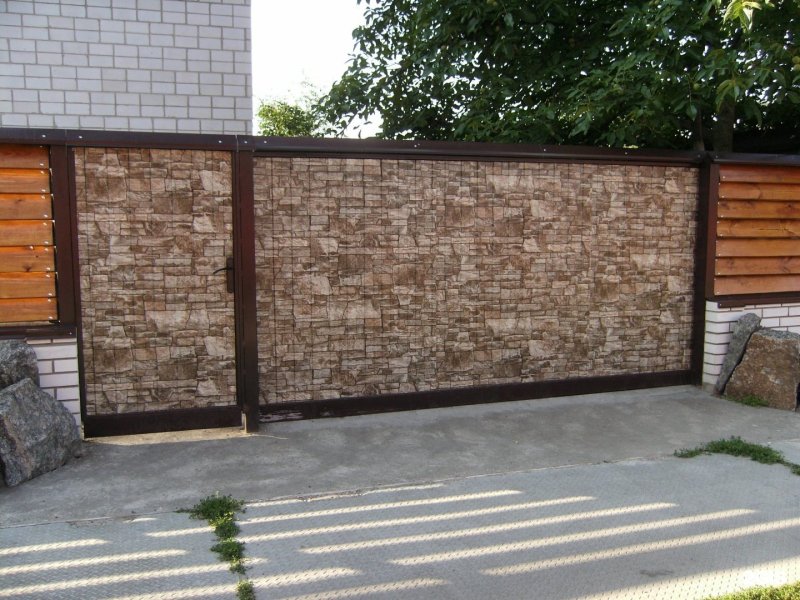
220	513
245	591
736	446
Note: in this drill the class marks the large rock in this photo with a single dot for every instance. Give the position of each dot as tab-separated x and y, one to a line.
17	361
37	433
770	369
744	328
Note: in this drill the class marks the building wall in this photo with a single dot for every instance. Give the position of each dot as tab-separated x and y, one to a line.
720	323
130	65
380	276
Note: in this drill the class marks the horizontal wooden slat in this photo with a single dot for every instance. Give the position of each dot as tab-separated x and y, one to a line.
758	228
779	265
768	284
24	181
752	209
26	233
734	247
22	259
25	206
20	156
27	285
758	173
759	191
27	310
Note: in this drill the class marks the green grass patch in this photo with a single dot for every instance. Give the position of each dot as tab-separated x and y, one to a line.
245	591
749	400
220	512
784	592
736	446
216	509
231	551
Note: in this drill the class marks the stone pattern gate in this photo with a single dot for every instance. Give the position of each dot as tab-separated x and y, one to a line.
158	326
377	276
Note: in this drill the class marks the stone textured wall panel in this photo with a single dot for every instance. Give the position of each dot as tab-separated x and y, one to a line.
158	327
378	276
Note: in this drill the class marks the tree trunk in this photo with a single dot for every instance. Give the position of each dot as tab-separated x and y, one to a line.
723	128
698	139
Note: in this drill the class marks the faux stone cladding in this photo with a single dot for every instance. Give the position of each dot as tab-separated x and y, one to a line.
380	276
158	327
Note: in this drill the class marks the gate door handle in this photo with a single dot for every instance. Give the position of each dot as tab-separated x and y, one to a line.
228	268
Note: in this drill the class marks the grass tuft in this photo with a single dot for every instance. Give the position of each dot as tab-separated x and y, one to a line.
216	509
785	592
736	446
231	551
245	591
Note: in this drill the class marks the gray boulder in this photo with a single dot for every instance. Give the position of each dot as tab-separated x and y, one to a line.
770	369
744	328
17	361
37	433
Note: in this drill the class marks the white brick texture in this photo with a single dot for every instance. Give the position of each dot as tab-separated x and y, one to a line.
132	51
58	371
720	323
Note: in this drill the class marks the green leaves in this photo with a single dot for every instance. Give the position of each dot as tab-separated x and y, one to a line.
286	119
657	74
742	11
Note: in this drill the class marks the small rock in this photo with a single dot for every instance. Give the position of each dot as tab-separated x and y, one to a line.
17	361
770	369
744	328
37	433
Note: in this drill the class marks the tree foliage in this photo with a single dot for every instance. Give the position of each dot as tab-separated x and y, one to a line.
657	73
291	119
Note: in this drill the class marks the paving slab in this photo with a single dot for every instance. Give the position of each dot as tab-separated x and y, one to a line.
657	529
141	558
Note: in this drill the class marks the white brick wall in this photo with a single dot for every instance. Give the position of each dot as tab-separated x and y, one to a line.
720	322
58	371
134	65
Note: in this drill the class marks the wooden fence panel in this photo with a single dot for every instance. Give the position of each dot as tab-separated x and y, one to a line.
25	181
20	156
26	285
27	252
26	310
25	259
757	230
26	206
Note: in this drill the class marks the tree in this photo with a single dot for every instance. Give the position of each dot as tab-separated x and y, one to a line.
657	73
287	119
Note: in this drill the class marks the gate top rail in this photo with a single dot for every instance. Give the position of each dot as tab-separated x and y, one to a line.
351	148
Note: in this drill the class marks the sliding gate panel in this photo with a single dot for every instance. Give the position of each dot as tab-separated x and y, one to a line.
379	276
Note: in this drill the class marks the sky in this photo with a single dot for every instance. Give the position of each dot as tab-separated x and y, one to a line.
297	41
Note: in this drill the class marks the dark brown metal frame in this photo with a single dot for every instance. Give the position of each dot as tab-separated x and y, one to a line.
244	256
482	151
484	394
